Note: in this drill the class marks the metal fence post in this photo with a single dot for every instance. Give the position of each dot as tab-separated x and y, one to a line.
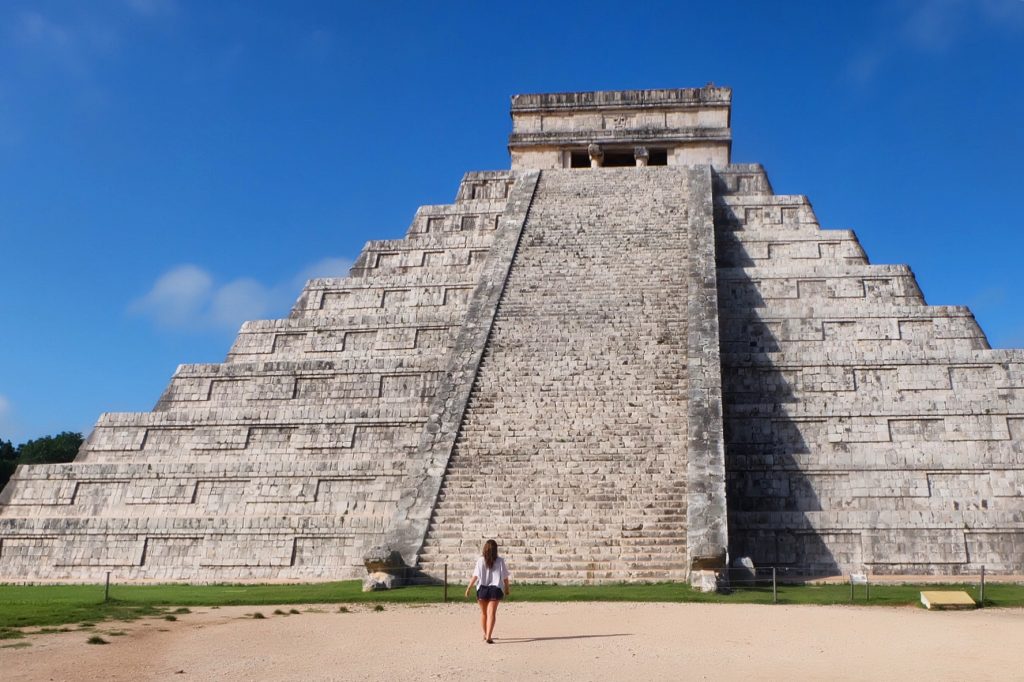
981	590
775	588
851	587
106	589
446	583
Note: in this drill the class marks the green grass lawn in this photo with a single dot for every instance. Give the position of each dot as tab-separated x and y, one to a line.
23	606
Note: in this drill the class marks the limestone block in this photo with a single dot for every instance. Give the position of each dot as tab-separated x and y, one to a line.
378	581
704	581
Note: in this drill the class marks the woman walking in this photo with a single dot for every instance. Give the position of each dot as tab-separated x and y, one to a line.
491	573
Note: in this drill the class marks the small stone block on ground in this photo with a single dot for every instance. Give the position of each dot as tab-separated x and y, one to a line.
947	599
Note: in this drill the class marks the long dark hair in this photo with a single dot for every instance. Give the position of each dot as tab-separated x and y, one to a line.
490	553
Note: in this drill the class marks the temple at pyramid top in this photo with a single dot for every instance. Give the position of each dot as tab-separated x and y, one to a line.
677	127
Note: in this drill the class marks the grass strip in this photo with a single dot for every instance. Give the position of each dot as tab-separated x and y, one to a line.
48	605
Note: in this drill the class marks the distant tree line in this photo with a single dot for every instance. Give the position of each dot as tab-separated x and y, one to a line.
46	450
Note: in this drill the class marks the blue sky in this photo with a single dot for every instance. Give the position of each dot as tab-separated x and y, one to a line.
170	168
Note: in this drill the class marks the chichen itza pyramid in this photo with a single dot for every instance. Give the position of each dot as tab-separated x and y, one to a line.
626	358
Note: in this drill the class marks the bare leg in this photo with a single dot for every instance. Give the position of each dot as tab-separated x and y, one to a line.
492	615
483	616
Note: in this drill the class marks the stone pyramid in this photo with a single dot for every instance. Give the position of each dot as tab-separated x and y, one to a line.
626	359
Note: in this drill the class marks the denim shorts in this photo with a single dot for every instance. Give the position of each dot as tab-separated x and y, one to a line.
489	593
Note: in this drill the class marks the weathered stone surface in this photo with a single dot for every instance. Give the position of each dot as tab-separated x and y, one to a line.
621	373
574	451
743	571
379	581
289	460
384	559
704	580
865	429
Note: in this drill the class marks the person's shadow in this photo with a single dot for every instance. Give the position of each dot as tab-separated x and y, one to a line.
526	640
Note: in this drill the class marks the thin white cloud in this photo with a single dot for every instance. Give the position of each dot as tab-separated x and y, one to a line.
242	299
6	422
71	46
179	297
188	298
78	39
32	28
39	34
328	267
931	27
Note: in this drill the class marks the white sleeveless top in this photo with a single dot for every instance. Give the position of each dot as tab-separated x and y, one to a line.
494	576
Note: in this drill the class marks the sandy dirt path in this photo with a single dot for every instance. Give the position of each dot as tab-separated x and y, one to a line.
541	641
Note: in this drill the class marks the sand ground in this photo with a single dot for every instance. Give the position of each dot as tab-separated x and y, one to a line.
580	641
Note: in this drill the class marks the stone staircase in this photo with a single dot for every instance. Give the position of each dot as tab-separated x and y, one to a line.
287	460
864	428
538	362
573	449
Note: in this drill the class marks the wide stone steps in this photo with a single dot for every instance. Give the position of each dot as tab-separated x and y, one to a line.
355	398
892	355
286	461
569	377
355	367
557	570
563	552
200	509
397	280
260	456
788	351
443	240
561	528
202	415
432	273
361	320
460	261
791	454
551	503
297	389
344	305
894	501
846	405
432	219
302	524
784	254
579	573
731	224
189	469
431	341
785	318
558	547
596	466
914	403
743	179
